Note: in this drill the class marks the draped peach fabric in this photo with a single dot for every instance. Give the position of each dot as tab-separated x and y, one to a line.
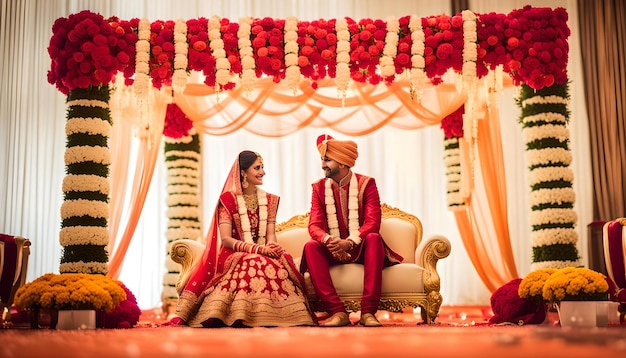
273	110
126	113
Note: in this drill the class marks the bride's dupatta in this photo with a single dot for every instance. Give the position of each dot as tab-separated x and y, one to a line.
206	269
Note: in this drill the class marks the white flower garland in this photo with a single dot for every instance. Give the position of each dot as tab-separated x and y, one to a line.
86	182
181	48
82	207
292	73
343	57
86	153
554	236
550	174
141	83
417	74
353	210
552	196
452	160
92	267
545	100
245	220
468	71
92	126
546	117
390	50
557	131
222	66
84	235
248	65
535	157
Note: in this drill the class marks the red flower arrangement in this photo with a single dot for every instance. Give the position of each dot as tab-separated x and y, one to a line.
492	43
317	41
530	43
443	45
162	53
177	124
367	40
509	307
402	61
231	47
199	53
126	314
452	124
86	50
537	39
267	38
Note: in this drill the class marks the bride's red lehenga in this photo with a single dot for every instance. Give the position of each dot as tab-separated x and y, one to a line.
239	288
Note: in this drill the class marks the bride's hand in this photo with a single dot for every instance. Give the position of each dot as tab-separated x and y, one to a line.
279	249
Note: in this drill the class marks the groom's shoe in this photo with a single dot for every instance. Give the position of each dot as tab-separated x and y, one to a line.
369	320
339	319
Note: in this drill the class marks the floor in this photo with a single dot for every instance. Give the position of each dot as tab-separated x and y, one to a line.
460	331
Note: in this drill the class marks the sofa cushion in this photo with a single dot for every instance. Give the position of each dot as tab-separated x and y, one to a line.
348	279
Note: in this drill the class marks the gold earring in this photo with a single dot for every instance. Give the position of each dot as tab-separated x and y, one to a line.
244	183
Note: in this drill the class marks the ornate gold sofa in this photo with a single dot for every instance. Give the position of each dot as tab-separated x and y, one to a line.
412	283
14	254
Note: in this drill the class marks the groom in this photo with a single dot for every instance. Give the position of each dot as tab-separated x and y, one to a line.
344	225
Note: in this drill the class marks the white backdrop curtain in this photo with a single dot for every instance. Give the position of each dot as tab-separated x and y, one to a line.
407	164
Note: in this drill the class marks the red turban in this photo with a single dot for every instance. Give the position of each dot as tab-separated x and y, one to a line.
342	151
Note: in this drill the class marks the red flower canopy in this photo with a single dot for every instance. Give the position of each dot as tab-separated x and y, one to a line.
529	43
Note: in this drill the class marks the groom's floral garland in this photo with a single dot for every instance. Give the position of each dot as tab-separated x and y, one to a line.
182	158
544	119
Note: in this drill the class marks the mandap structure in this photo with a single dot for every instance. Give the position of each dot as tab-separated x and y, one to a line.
148	71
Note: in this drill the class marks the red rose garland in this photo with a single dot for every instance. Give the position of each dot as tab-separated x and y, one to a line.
443	45
200	58
402	61
229	36
162	53
366	47
317	41
267	42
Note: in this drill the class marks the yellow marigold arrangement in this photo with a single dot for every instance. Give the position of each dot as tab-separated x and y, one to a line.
71	291
531	286
575	284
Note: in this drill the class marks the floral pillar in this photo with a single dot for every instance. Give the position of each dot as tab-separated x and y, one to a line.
544	121
182	158
85	211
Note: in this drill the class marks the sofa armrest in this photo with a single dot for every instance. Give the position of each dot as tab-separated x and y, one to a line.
428	252
187	253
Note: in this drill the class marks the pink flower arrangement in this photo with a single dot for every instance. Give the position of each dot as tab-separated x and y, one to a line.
177	124
452	124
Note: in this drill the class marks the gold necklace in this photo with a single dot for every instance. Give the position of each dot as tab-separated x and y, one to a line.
252	201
